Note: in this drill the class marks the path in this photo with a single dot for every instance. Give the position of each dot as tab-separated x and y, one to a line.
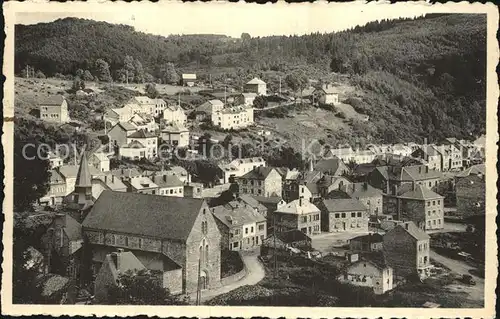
475	292
255	273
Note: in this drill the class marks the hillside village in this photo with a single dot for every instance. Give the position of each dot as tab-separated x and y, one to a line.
200	185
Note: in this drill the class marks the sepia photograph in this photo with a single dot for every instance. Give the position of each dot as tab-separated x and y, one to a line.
296	157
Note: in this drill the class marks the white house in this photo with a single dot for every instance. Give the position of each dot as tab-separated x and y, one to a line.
327	94
188	79
175	114
143	121
134	150
175	134
100	161
169	185
256	86
376	275
240	167
54	109
146	139
55	160
236	117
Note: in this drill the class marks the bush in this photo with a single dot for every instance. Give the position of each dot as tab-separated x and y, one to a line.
231	263
340	115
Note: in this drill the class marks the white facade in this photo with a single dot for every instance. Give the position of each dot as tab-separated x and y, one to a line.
134	151
100	161
235	118
57	113
175	114
367	274
175	136
240	167
143	122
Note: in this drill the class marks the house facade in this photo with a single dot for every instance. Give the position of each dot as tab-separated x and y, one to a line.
406	249
190	243
175	135
246	98
298	214
343	215
233	118
147	139
119	133
256	86
239	167
366	243
366	273
54	110
57	190
240	226
174	114
260	181
327	95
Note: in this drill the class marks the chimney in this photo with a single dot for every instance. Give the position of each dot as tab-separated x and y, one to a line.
387	188
406	225
395	190
165	177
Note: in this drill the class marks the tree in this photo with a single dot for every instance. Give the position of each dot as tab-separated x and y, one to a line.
39	74
102	70
87	76
31	174
148	78
140	288
297	81
79	73
151	91
139	72
78	84
128	66
260	102
245	37
168	73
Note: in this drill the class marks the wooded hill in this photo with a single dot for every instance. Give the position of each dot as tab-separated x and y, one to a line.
416	78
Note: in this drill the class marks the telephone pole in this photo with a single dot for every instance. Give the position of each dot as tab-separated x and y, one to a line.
198	290
280	85
274	250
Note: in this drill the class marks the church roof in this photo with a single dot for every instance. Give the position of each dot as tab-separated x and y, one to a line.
83	178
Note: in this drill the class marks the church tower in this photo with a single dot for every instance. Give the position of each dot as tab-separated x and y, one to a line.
83	186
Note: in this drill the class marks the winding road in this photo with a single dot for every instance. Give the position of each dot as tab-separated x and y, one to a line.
255	273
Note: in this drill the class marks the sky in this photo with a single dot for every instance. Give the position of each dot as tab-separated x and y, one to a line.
231	18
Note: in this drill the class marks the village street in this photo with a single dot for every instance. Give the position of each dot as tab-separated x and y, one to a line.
255	273
461	268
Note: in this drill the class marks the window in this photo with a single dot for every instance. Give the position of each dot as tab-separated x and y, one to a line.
171	191
246	230
428	203
316	217
304	219
113	240
430	184
140	242
439	221
353	214
236	231
204	227
261	227
434	222
343	215
126	241
433	202
235	244
429	223
337	215
251	229
360	214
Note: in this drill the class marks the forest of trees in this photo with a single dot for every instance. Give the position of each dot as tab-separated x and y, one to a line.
422	77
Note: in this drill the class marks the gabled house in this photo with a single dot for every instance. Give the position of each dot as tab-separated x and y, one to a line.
175	114
366	243
430	155
369	273
327	94
134	150
239	167
142	185
298	214
144	121
54	109
240	226
256	86
292	238
406	249
451	157
368	195
167	233
176	135
119	133
386	177
188	79
470	189
146	139
205	110
57	189
246	98
333	166
343	215
114	265
261	181
100	161
169	185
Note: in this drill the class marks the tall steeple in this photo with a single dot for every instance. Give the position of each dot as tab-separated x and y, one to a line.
83	185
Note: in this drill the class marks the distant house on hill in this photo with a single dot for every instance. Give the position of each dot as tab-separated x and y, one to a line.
54	109
327	94
256	86
188	79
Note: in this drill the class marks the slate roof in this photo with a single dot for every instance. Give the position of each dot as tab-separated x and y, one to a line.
268	200
121	262
473	170
73	229
333	166
256	81
141	134
362	190
134	144
420	192
83	178
295	207
343	205
260	172
236	215
370	238
167	180
53	100
420	172
127	126
114	183
155	216
413	230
